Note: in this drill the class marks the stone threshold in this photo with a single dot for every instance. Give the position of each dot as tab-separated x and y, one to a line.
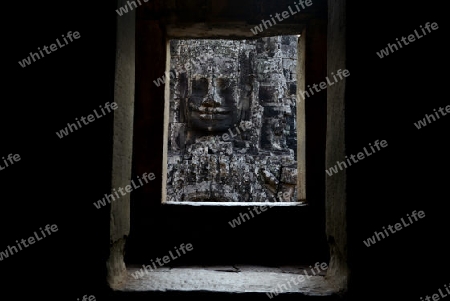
237	204
229	279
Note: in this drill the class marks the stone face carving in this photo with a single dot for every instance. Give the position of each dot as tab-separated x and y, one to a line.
212	105
232	134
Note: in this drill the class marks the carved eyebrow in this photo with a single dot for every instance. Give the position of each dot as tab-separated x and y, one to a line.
200	81
199	77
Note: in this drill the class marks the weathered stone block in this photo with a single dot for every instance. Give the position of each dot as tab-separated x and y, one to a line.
289	175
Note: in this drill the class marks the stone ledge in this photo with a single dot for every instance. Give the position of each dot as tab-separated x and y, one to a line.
227	279
237	204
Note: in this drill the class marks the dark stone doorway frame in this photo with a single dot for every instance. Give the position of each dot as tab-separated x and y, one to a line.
334	189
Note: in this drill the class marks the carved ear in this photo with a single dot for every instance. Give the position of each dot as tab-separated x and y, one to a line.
183	85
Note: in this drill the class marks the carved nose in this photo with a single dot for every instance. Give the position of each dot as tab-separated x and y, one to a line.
210	102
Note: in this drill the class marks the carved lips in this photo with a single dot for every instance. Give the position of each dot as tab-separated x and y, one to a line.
211	113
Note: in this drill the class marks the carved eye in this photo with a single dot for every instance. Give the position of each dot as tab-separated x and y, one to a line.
199	87
223	83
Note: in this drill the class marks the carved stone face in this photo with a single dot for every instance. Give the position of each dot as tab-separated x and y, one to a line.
213	104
